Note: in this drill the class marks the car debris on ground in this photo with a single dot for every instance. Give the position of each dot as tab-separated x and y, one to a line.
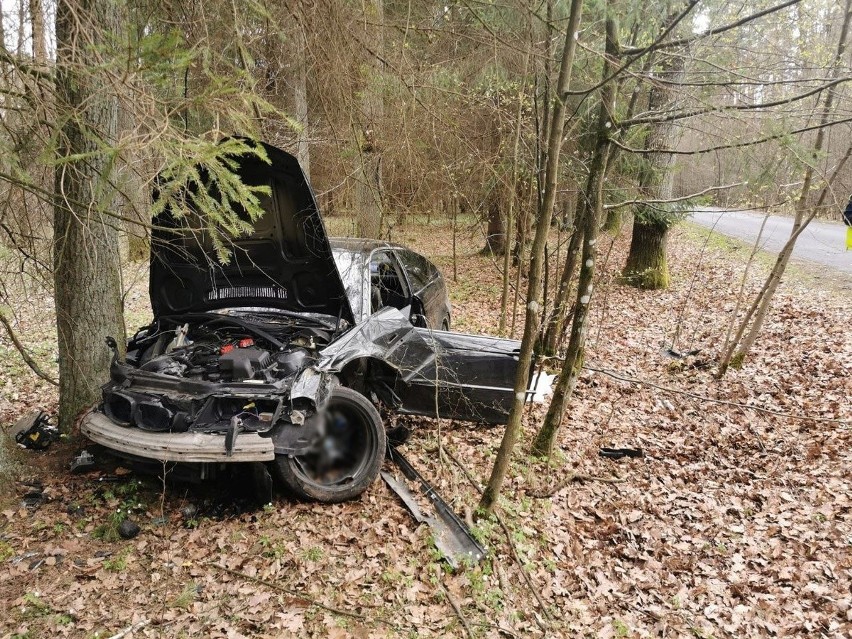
451	535
35	432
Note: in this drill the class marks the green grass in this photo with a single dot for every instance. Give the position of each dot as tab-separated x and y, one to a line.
314	554
186	597
34	606
118	563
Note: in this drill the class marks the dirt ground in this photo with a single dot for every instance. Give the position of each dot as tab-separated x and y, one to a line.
735	523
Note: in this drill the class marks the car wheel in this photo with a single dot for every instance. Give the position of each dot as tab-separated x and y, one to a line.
347	460
445	325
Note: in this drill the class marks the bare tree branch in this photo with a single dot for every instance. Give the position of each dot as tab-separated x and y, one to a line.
736	107
714	31
674	199
28	360
734	145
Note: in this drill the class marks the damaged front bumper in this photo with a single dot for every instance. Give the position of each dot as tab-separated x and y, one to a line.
189	447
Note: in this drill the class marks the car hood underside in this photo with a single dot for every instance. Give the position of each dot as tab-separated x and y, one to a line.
285	263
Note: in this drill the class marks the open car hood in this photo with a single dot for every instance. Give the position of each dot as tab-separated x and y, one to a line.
285	263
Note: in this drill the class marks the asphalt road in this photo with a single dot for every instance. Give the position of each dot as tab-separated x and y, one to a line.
822	243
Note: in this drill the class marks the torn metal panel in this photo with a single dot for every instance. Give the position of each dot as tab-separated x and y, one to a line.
437	373
452	536
312	385
386	335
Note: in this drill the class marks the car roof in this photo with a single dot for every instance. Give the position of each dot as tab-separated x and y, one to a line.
361	245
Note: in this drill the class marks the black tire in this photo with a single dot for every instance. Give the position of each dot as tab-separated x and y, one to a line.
445	325
351	454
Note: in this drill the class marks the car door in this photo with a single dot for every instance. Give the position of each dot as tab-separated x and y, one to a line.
426	284
470	378
433	373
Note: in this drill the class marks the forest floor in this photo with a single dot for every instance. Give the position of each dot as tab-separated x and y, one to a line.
737	522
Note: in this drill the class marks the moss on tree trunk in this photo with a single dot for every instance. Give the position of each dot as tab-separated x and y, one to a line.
647	266
614	221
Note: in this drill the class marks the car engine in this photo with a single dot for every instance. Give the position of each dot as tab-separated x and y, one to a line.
201	372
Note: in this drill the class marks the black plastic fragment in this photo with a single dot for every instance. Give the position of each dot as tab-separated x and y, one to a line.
234	427
670	352
128	529
398	435
452	536
35	431
618	453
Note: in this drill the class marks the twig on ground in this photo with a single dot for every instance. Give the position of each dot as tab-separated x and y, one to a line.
702	398
500	629
457	609
132	628
300	598
544	494
501	579
753	431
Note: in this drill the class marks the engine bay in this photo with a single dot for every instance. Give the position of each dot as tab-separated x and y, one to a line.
222	348
214	373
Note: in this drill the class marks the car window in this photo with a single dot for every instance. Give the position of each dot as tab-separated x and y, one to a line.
387	285
419	270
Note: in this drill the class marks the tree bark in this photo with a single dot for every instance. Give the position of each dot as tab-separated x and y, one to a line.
553	334
613	222
300	99
495	234
37	21
531	325
646	266
368	173
646	263
513	197
573	365
86	262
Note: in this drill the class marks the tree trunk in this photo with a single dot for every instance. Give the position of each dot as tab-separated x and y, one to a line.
531	326
513	190
300	100
553	334
646	263
368	172
37	18
614	221
573	365
495	237
87	278
6	464
645	267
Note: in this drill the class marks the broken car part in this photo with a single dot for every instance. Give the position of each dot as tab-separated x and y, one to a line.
82	462
452	537
618	453
35	431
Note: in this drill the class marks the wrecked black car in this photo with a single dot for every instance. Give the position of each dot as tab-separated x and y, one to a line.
285	355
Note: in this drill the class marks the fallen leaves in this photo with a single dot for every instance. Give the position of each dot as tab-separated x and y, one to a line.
736	522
